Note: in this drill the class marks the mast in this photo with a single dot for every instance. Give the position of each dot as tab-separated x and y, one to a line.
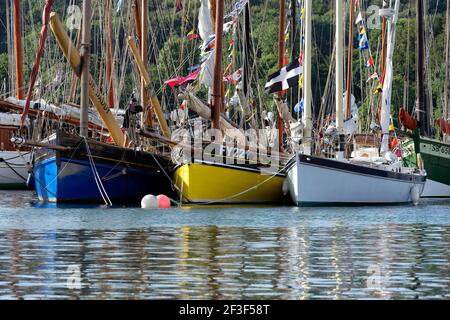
421	105
218	77
146	115
281	49
307	91
84	52
447	69
349	61
18	50
10	48
339	86
109	53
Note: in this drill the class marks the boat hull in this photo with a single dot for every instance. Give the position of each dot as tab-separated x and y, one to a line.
436	158
14	170
318	181
220	184
127	176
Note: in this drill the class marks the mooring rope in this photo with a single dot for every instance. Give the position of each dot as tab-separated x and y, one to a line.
97	179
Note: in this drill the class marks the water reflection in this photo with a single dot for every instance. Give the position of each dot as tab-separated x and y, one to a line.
209	262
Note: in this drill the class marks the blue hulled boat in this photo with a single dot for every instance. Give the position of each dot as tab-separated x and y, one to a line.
86	170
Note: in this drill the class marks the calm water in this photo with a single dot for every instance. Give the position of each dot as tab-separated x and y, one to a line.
223	253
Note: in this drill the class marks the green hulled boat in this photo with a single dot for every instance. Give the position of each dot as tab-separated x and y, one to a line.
436	159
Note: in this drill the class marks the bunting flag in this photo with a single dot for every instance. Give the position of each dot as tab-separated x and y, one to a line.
119	5
363	42
359	19
373	76
287	77
379	88
234	78
299	107
369	63
182	80
192	35
179	6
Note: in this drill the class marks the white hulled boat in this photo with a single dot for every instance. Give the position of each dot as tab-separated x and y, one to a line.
373	180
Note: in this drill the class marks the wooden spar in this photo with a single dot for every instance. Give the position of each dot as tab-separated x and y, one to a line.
213	8
18	50
349	61
137	19
74	58
10	49
422	107
74	80
85	57
446	108
109	52
281	49
218	76
50	115
147	114
153	99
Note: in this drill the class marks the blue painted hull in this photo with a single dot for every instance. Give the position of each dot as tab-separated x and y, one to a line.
67	176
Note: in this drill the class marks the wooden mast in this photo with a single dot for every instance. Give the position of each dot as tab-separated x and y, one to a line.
84	52
349	61
446	108
147	114
109	53
281	50
10	48
421	105
18	50
218	77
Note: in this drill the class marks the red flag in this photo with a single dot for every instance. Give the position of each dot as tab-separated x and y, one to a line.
182	80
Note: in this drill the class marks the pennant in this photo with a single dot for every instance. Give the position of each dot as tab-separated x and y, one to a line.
285	78
119	5
179	6
369	63
359	19
192	35
234	78
363	43
378	89
299	107
373	76
182	80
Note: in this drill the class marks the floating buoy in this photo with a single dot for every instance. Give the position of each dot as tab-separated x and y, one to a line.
415	195
163	201
149	202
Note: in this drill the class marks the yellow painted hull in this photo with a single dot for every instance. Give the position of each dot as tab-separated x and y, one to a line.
202	183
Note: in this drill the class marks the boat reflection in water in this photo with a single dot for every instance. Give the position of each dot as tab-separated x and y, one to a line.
312	260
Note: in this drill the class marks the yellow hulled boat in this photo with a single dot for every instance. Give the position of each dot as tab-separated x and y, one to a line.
227	184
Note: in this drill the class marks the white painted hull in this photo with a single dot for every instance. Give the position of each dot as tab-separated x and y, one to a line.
434	189
318	183
13	169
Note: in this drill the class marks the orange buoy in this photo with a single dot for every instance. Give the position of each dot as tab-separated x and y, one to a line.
163	201
408	121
